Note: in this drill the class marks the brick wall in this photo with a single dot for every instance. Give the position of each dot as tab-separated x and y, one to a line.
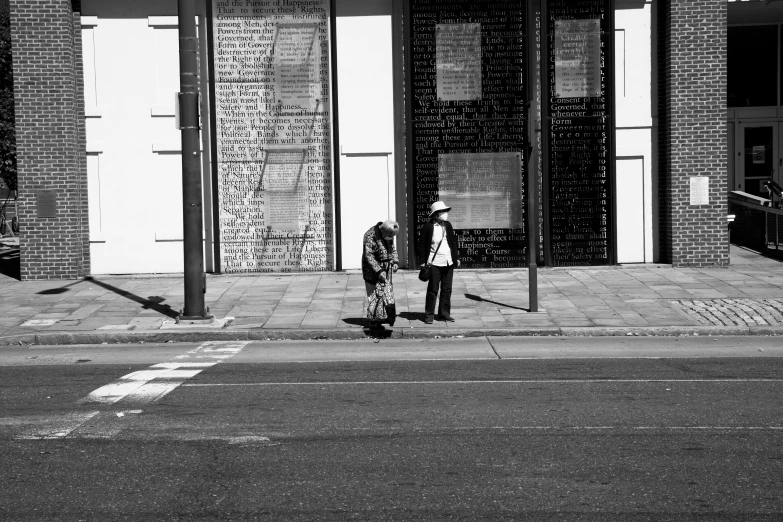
693	131
49	104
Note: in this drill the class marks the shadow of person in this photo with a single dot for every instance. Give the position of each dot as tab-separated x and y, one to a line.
380	332
413	316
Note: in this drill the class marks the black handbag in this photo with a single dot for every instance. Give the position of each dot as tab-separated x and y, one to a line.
388	298
426	271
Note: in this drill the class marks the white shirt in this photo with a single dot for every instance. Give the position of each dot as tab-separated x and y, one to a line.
443	258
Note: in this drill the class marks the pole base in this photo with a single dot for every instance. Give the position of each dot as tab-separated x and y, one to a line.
195	319
184	322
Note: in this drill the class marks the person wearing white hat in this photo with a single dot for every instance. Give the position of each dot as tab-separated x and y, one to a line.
438	247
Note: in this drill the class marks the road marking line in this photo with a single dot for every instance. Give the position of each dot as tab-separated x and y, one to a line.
105	425
174	366
151	391
546	381
138	387
575	428
40	427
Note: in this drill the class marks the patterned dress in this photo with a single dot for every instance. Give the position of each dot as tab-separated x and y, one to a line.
376	252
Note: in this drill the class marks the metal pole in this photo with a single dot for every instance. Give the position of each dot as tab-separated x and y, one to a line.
336	156
532	174
192	216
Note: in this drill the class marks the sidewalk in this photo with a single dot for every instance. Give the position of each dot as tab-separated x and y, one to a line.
745	298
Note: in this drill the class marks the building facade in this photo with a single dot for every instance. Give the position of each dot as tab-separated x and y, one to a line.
322	118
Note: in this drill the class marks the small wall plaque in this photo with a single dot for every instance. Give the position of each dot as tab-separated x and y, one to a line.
46	203
700	190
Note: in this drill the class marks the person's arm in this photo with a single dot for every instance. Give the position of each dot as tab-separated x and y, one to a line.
424	243
453	245
369	251
395	258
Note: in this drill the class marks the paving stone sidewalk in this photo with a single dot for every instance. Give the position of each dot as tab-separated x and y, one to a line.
636	298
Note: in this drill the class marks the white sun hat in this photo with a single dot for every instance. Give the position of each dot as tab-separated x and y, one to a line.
438	206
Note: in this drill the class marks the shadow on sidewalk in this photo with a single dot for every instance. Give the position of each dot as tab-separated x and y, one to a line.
151	303
413	316
477	298
374	333
10	264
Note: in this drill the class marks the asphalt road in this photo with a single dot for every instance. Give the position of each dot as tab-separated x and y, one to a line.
468	429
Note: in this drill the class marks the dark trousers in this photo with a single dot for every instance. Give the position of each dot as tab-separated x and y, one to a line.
442	277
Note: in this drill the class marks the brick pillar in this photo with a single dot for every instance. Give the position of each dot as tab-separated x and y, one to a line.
692	68
50	140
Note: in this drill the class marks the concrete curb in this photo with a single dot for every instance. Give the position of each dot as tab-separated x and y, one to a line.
201	335
604	331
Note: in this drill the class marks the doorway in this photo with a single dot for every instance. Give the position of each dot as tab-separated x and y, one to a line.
758	159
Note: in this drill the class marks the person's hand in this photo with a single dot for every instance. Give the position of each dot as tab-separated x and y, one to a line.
382	277
395	267
458	263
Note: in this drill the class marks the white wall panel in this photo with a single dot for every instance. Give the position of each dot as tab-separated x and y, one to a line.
363	210
630	210
637	144
635	198
366	119
94	201
88	60
633	62
140	198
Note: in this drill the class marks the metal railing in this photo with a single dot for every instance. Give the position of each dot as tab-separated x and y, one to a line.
774	228
9	218
773	221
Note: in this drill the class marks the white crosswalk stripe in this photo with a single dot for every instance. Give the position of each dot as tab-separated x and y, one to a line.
52	426
145	386
139	387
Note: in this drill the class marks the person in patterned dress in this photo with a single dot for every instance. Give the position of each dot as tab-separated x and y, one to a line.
379	252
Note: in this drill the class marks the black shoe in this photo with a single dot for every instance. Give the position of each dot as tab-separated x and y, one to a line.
446	318
428	319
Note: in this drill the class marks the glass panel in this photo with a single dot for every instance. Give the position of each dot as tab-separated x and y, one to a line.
759	160
753	66
732	156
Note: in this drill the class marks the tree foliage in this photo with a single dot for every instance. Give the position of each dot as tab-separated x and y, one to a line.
7	135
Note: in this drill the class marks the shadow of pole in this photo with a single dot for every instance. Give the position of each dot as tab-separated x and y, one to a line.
478	298
151	303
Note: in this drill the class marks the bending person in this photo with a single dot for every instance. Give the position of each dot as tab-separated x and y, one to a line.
379	254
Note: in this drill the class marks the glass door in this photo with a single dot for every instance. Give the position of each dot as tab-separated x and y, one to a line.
758	158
